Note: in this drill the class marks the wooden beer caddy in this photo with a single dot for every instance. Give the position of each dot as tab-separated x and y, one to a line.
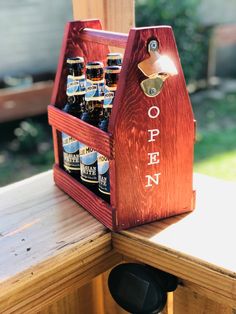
150	140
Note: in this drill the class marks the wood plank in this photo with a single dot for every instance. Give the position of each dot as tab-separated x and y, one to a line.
133	116
88	9
27	102
90	201
49	245
101	141
195	246
110	306
43	227
186	301
117	16
92	298
114	39
176	264
212	295
67	305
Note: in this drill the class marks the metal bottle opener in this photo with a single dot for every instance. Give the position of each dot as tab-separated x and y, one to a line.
157	68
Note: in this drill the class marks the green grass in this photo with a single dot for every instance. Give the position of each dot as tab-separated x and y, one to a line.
215	150
25	149
222	166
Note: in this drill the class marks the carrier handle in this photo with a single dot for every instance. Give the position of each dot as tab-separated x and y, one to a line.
104	37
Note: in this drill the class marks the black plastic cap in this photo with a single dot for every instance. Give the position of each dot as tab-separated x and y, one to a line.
136	290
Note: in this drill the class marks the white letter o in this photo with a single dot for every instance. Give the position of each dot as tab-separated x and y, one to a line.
153	112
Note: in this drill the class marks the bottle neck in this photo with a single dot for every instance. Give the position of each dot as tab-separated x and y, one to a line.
75	72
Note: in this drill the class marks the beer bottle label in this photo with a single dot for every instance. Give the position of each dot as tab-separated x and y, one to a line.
94	90
88	164
76	85
71	156
103	174
109	94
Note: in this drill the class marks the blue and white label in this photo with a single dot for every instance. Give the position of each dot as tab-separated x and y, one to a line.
88	164
71	157
109	94
76	85
94	90
103	174
70	145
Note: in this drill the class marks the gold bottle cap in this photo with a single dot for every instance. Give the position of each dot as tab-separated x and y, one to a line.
114	56
94	65
74	60
113	69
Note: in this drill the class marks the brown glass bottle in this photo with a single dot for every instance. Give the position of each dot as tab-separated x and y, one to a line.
114	58
92	114
111	78
75	101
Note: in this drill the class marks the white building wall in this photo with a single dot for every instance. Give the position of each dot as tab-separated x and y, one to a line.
31	34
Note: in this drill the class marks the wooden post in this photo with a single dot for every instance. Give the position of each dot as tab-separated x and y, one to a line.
117	16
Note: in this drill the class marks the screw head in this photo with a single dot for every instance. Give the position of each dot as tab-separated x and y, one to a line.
153	45
152	91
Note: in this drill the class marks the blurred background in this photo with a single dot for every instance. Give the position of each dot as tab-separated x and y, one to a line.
31	34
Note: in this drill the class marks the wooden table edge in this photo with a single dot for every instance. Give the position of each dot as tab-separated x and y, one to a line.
184	267
48	281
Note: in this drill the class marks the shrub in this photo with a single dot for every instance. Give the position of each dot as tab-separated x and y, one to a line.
191	38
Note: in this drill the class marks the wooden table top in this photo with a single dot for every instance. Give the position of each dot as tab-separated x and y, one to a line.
198	246
47	240
46	237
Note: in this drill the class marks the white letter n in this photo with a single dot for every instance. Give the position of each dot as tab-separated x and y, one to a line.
151	179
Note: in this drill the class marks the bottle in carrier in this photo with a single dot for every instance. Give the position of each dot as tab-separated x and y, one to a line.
111	77
114	58
91	114
75	101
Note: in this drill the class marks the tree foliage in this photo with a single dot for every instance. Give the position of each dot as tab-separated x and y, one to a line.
191	38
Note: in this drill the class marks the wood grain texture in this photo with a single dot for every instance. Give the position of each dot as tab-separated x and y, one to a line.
186	301
104	37
26	102
49	245
57	146
209	294
50	248
88	9
87	299
101	141
196	247
71	47
129	124
128	128
93	298
110	306
94	204
116	16
84	132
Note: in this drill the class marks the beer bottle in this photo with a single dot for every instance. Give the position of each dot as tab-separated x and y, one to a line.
75	101
114	58
94	91
91	114
111	78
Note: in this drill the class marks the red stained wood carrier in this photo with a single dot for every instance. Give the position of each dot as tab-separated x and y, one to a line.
150	139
